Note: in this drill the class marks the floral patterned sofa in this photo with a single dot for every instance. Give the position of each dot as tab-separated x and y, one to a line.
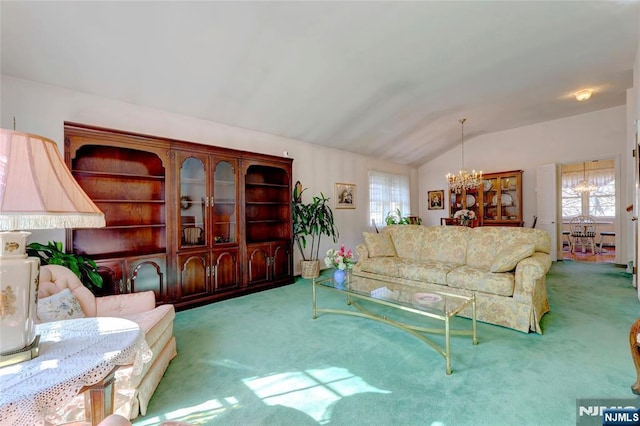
504	266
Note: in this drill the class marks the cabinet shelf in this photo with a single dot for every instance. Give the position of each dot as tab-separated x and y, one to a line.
90	173
154	225
125	254
267	203
250	221
273	185
111	201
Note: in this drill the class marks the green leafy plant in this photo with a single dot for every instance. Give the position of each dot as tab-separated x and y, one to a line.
53	254
312	220
396	218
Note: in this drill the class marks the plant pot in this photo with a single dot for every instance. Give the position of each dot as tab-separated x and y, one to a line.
309	268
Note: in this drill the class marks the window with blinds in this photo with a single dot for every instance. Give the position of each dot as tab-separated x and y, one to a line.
387	192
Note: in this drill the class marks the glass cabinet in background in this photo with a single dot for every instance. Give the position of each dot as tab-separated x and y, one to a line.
469	199
502	194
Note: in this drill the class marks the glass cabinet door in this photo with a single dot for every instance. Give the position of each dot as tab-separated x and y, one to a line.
193	197
503	198
491	189
224	203
509	208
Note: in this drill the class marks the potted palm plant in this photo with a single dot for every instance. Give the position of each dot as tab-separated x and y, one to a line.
310	222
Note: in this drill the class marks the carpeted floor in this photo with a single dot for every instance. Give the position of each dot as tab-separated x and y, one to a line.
262	360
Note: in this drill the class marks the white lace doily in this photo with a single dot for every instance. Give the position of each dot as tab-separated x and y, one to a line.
73	354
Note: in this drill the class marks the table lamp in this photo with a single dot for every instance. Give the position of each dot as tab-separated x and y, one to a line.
37	191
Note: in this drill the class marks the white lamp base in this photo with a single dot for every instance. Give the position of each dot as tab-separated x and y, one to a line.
18	296
20	355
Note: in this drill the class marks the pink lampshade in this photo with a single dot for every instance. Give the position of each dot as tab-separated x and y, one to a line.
37	190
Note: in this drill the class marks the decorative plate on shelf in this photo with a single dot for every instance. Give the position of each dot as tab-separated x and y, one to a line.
471	201
505	200
486	184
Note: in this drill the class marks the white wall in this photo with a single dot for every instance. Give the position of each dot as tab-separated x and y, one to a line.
592	136
43	109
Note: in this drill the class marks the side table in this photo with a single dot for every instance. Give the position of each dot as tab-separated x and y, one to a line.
75	356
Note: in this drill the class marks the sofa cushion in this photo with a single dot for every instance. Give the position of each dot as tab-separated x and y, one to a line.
407	240
379	245
445	244
381	265
431	272
477	279
154	322
510	255
59	306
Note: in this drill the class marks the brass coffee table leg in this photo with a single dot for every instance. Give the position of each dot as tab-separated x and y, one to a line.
447	345
314	314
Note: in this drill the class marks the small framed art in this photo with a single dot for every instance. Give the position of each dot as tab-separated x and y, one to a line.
345	196
436	199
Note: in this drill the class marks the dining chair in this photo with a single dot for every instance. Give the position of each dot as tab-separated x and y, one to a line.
582	231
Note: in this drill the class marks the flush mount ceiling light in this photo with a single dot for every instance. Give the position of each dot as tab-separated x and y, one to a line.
583	95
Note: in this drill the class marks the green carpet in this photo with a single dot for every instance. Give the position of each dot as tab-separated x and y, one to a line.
261	360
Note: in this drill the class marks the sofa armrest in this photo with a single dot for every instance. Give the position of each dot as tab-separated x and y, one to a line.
529	272
125	304
363	253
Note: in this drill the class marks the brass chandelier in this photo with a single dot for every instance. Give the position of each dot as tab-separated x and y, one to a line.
464	180
584	185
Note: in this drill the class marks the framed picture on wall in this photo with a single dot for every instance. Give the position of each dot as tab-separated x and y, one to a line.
345	196
435	199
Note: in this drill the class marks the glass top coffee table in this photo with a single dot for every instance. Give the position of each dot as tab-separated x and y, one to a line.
438	305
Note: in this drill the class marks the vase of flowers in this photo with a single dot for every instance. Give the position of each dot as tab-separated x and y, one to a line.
342	260
465	216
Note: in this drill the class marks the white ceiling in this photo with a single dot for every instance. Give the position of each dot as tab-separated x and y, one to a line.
385	79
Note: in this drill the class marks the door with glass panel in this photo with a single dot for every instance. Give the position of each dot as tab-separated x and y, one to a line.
208	244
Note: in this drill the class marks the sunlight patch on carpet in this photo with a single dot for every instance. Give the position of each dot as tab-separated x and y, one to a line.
197	414
313	392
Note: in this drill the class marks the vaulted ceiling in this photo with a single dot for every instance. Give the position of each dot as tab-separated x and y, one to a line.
385	79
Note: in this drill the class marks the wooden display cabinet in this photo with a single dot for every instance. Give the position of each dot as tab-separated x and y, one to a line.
129	185
194	223
268	261
503	198
268	223
208	248
471	199
134	274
